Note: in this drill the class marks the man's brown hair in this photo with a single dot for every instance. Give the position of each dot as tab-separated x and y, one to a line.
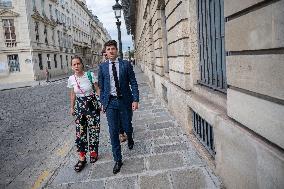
110	43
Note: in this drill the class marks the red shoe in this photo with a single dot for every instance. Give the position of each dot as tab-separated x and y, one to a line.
93	157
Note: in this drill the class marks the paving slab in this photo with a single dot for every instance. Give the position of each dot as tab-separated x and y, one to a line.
122	183
196	178
165	161
163	156
157	181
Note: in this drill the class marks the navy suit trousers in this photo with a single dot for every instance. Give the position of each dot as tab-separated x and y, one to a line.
117	114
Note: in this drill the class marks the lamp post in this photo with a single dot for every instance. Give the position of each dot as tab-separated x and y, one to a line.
117	12
129	58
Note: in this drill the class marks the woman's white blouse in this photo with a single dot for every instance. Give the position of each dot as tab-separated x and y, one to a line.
84	83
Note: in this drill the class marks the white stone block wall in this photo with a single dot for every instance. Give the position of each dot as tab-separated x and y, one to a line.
247	119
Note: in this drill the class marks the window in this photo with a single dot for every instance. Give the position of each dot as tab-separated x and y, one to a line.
45	33
5	3
48	61
165	41
36	31
55	61
34	5
58	35
40	62
61	64
67	60
56	14
9	33
211	44
13	63
50	12
42	7
52	37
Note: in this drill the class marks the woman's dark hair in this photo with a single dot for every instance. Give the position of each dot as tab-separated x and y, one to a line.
110	43
79	58
103	51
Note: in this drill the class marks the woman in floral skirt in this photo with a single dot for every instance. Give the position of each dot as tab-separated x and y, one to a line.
85	107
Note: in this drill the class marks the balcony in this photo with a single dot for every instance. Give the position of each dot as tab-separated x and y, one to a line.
11	44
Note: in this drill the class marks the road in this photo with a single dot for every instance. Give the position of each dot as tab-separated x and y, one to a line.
35	136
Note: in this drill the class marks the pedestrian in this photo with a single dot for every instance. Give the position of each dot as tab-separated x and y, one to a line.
85	106
47	74
104	55
122	134
119	98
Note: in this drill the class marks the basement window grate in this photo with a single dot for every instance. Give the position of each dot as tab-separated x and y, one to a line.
204	133
165	93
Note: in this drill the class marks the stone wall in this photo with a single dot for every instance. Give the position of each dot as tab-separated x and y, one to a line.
247	119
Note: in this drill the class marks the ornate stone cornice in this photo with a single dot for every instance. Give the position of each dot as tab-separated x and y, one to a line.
129	11
44	19
8	13
54	1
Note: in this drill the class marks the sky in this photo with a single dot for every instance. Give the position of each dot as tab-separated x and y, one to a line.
103	9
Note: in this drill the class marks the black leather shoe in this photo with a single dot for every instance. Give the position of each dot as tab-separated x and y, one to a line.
130	144
117	167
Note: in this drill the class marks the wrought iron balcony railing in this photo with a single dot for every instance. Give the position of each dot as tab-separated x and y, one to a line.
11	44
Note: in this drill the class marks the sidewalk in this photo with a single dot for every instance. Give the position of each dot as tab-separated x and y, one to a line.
10	86
162	157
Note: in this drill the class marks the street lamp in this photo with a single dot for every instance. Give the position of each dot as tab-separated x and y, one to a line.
117	12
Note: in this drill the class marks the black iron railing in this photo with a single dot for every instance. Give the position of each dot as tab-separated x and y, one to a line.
211	33
204	132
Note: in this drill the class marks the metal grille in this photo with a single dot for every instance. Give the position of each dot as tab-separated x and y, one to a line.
165	93
13	63
204	132
211	44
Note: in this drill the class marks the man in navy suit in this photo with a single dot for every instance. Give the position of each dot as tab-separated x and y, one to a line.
119	96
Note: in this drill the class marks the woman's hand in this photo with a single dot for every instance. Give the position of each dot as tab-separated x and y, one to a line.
72	111
102	109
97	88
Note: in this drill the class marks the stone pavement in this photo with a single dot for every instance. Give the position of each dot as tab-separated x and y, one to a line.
163	156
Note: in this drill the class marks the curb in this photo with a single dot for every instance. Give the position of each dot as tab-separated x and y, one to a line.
16	88
27	86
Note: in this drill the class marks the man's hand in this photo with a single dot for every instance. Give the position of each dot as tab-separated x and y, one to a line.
134	106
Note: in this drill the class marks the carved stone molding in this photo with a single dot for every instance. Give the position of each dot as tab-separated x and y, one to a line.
8	13
44	19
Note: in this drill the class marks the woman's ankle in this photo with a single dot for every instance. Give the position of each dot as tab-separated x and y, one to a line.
82	156
93	154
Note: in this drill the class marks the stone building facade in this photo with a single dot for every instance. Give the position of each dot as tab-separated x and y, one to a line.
218	65
40	34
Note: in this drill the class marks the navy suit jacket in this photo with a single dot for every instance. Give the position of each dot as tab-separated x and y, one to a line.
127	82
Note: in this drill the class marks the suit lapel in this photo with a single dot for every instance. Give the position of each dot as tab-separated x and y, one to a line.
107	72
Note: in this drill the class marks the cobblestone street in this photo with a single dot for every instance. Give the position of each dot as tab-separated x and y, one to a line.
163	156
34	134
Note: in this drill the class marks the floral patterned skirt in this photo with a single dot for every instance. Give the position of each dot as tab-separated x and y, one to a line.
87	121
